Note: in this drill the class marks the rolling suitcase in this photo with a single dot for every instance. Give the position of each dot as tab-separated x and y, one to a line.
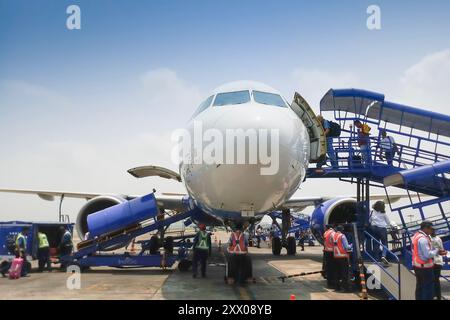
16	268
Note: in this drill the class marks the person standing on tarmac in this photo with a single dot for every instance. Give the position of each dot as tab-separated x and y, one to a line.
422	261
21	249
43	252
202	249
66	244
341	250
436	243
328	261
238	249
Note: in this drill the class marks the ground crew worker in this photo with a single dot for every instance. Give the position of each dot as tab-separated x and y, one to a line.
21	249
238	249
422	261
202	249
43	252
328	261
341	250
66	244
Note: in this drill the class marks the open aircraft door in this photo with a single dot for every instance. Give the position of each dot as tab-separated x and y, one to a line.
318	144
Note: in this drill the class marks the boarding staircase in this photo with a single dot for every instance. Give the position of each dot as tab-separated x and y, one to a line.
420	167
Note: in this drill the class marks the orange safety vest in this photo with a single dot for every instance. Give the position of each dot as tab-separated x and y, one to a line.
416	260
328	242
237	243
339	251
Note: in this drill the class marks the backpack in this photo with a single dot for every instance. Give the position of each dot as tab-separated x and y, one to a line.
335	129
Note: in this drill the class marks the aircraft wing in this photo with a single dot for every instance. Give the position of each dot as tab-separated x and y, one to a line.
168	201
305	202
50	195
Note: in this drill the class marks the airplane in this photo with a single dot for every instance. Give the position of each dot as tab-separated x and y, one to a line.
228	193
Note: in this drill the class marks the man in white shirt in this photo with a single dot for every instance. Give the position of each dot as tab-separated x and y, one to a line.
379	222
438	260
387	145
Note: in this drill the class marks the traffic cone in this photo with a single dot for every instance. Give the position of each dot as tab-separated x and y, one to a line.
292	298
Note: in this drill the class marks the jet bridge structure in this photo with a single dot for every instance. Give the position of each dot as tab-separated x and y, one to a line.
419	167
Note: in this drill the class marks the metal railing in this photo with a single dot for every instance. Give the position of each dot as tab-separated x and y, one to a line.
369	237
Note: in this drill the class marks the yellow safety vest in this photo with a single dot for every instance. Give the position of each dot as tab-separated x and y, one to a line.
43	242
21	236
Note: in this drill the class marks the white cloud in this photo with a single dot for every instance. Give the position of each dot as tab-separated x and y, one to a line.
166	91
426	84
314	83
91	155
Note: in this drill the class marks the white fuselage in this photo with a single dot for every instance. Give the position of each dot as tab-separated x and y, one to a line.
231	190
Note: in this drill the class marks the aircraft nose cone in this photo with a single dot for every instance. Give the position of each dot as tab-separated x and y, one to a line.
239	183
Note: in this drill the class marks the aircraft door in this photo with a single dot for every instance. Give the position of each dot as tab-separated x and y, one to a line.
318	147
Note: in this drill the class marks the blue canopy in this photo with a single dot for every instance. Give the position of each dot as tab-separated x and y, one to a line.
410	117
373	106
350	100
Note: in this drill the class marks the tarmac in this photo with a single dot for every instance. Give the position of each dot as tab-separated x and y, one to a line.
158	284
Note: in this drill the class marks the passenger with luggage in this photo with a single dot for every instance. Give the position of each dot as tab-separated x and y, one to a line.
422	261
388	147
21	251
202	249
332	130
43	252
379	223
363	139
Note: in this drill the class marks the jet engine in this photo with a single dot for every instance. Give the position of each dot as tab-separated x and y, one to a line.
94	205
335	211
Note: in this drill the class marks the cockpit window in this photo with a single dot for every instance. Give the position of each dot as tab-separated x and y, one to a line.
269	99
203	106
238	97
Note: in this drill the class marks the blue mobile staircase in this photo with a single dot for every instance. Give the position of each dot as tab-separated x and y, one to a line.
419	167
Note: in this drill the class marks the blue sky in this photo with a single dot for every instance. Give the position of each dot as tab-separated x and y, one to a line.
79	107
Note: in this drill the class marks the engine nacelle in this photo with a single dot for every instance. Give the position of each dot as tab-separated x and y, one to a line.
335	211
106	214
94	205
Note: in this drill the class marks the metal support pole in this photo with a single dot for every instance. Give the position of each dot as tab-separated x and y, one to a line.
60	208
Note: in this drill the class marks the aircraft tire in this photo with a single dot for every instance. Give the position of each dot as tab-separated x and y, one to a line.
154	245
276	246
291	246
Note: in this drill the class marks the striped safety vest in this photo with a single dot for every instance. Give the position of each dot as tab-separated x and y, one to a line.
328	241
339	251
416	260
202	241
237	243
